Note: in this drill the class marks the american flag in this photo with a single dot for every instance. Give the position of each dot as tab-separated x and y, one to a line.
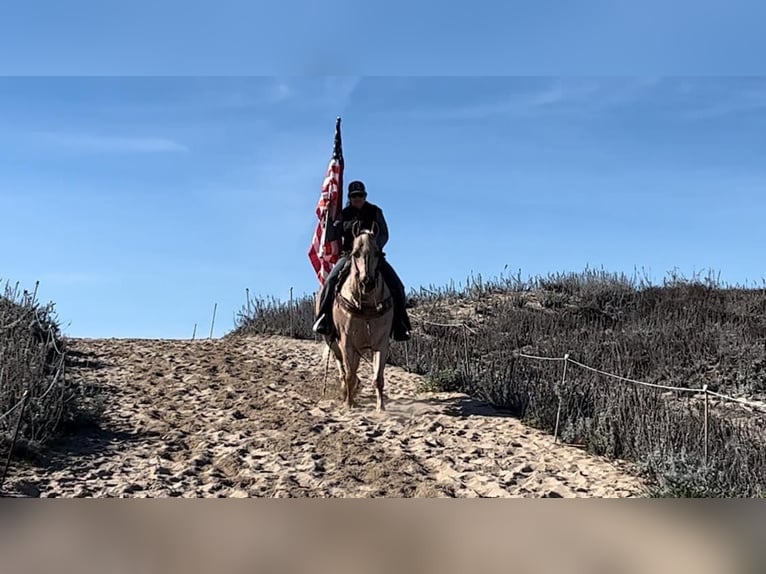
326	245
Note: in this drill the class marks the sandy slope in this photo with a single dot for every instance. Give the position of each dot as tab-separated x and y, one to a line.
245	417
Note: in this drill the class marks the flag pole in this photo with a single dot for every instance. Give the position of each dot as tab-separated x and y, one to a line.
337	154
326	242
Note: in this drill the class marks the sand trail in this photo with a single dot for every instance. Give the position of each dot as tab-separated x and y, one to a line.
244	417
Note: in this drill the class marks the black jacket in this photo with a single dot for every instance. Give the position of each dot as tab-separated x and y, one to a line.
368	214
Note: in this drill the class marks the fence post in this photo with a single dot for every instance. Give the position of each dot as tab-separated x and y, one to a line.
558	410
15	437
704	390
407	356
292	332
465	349
212	324
194	333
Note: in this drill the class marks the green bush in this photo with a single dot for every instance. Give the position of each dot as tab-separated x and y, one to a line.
443	381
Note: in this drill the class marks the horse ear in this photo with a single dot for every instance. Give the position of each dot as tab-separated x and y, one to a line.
355	229
374	228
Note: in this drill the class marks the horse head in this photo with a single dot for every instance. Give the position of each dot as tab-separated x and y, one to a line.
356	229
365	258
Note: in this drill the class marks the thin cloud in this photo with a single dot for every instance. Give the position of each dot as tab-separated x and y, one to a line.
339	91
548	97
240	97
100	143
277	92
281	91
583	96
563	92
749	101
597	96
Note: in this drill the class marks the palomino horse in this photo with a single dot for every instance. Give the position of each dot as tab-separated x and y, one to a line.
363	315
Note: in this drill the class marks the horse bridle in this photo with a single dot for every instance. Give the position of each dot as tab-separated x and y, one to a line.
378	309
376	271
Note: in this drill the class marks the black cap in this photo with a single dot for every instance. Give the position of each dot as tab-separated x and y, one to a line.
356	188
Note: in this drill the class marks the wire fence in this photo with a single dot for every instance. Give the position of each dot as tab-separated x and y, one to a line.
756	406
9	412
668	429
566	360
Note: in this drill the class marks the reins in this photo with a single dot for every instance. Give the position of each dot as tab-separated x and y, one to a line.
359	309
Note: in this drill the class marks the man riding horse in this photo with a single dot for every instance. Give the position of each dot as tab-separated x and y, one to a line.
365	215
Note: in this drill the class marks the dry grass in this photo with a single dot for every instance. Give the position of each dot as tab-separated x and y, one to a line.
685	332
34	358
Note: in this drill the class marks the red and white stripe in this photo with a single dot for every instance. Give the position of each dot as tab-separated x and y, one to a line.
325	249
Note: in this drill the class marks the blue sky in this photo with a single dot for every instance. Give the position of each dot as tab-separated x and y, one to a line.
298	37
140	202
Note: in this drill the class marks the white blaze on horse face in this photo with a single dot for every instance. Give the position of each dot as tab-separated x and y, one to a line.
365	257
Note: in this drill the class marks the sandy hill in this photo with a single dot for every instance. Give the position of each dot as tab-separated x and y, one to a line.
245	416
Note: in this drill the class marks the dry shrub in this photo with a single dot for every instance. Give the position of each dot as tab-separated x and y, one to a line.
270	316
685	332
33	358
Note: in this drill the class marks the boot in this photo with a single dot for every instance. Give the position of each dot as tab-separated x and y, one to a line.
322	325
401	328
401	332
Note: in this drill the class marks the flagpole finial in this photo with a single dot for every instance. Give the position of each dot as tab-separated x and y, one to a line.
338	147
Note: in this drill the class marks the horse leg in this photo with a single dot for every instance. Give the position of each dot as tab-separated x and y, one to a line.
341	376
378	365
338	357
351	367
